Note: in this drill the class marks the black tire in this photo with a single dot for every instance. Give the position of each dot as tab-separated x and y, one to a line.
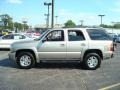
94	64
31	61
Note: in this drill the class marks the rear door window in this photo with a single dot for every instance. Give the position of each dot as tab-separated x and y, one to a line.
75	35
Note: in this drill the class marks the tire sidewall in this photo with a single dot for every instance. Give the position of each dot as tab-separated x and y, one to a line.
86	60
18	60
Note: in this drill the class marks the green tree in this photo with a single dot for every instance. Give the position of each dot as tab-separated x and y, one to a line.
117	25
25	26
8	24
18	26
70	24
104	26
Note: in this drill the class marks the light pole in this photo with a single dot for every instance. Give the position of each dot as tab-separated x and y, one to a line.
101	16
81	21
24	22
48	4
47	21
113	23
112	26
13	25
56	19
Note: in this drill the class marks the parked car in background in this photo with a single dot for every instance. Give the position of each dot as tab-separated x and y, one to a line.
0	33
5	32
118	38
114	38
33	34
7	40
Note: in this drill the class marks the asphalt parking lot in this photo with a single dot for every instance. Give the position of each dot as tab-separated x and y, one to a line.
60	76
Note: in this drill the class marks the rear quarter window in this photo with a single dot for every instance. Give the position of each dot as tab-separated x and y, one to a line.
98	34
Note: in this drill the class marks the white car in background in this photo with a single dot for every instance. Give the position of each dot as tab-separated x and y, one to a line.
33	34
7	40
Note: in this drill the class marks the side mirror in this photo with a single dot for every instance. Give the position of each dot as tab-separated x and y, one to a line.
44	40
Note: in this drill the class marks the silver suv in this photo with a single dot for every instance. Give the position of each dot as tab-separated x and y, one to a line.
87	45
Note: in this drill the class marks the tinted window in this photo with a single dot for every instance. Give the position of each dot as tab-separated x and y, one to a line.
57	35
97	34
75	35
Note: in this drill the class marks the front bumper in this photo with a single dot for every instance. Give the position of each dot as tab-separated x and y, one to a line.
12	56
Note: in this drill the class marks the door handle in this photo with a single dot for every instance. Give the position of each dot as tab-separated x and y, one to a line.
83	44
62	44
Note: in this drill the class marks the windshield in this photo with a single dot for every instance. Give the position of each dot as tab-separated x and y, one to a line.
37	39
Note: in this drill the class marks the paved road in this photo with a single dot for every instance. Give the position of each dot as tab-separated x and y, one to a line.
60	76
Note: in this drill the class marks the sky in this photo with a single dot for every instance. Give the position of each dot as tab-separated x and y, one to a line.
87	10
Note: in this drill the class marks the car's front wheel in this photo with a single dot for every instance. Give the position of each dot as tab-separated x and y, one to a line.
25	60
92	61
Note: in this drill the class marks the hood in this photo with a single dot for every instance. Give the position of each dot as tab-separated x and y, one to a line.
25	44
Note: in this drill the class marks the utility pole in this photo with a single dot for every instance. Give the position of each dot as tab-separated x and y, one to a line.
101	16
52	21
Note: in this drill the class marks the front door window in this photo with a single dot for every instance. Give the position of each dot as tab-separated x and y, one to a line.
55	36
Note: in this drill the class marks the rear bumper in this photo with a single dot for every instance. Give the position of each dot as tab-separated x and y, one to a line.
108	55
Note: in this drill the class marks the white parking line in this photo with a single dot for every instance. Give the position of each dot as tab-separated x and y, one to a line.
109	87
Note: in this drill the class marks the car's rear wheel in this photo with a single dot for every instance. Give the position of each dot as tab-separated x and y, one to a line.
92	61
25	60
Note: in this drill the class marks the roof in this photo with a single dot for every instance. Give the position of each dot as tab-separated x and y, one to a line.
75	28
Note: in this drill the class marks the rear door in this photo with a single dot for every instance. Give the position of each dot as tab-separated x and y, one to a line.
75	44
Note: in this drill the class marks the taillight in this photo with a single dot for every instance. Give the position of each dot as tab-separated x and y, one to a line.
111	47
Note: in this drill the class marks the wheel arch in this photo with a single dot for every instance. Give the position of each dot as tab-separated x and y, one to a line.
97	51
26	50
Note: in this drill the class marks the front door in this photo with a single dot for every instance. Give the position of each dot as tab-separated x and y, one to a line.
53	46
